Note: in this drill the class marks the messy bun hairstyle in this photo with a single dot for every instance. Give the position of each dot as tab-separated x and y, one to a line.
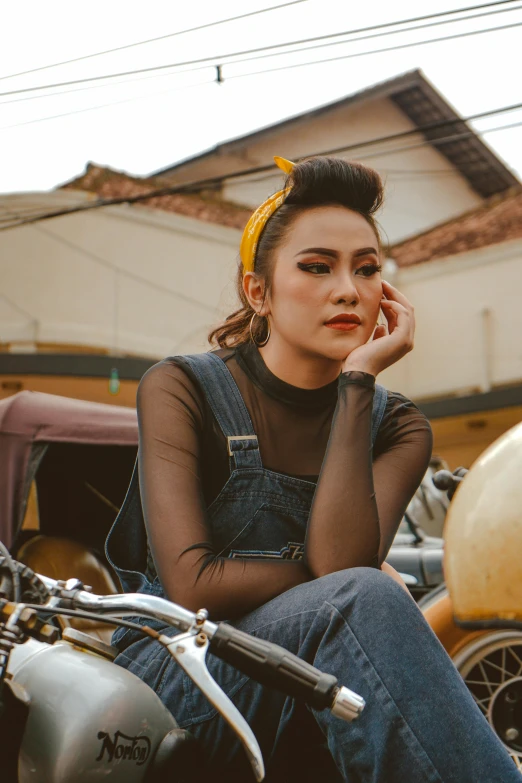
315	182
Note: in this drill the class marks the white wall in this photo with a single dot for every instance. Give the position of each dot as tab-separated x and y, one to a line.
468	311
129	279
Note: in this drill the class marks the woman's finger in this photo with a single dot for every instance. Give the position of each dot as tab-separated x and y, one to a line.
393	312
393	293
391	316
379	332
400	322
389	306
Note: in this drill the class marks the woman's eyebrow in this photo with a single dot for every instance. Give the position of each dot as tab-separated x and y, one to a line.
319	251
365	251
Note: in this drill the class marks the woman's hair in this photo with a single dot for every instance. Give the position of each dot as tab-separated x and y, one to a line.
316	182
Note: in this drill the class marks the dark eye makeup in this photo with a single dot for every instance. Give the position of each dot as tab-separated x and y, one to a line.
316	268
319	268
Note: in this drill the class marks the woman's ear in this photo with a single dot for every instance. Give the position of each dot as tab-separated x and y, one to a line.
254	289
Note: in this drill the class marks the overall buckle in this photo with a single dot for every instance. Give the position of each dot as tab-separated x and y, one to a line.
238	437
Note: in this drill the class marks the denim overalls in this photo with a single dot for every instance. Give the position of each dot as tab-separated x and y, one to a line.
257	514
420	723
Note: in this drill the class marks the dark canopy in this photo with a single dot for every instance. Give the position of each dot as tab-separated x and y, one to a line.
75	446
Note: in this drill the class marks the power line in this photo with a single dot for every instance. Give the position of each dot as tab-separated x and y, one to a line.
152	40
371	36
432	126
270	70
198	185
375	51
224	57
101	106
443	139
276	54
59	93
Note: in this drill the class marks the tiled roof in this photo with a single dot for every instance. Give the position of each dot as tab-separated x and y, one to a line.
107	183
497	220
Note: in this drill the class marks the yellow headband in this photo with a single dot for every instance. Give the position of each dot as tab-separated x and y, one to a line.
258	220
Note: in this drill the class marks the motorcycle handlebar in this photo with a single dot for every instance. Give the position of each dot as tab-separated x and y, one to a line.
272	665
263	661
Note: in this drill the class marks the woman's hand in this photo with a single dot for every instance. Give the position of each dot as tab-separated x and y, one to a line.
386	349
386	568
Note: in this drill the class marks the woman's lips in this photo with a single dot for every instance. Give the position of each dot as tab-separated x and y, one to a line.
344	322
343	326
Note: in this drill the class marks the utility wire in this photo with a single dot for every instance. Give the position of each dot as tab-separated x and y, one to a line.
209	182
280	54
431	126
222	58
374	51
198	185
371	36
59	93
152	40
268	70
102	105
443	139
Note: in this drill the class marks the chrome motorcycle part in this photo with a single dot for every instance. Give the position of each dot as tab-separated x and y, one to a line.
347	704
191	654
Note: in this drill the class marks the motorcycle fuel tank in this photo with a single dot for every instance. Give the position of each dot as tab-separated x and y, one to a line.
88	718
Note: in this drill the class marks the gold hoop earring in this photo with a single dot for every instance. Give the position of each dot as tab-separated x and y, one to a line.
267	338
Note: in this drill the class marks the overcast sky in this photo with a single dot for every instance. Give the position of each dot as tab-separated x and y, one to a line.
148	121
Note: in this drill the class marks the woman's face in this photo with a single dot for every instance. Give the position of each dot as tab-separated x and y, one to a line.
326	268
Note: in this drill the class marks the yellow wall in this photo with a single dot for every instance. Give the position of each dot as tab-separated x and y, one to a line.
93	389
460	439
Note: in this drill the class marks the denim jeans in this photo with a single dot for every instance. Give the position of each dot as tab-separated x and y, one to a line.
420	723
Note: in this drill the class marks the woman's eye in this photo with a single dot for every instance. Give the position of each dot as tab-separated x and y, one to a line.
315	269
368	270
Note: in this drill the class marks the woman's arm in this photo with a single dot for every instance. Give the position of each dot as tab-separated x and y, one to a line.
358	507
351	523
170	415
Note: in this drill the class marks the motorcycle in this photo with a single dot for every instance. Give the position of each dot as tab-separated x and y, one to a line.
68	714
477	614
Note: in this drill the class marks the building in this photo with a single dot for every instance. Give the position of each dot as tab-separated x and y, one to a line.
464	278
434	165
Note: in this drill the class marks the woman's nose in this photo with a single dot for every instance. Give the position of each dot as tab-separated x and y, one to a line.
345	291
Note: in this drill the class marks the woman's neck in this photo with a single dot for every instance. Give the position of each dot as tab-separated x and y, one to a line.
307	371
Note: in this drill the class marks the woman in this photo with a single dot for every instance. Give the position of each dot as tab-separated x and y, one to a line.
274	473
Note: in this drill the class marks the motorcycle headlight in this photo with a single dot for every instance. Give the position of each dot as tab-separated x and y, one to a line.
483	539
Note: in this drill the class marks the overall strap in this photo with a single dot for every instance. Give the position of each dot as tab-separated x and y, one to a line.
228	407
379	404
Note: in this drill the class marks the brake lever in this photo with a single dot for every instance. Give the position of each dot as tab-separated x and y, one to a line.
189	650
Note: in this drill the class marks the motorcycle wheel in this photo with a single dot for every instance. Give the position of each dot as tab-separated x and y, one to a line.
490	663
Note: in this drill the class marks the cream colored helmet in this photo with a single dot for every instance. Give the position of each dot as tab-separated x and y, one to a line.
483	538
